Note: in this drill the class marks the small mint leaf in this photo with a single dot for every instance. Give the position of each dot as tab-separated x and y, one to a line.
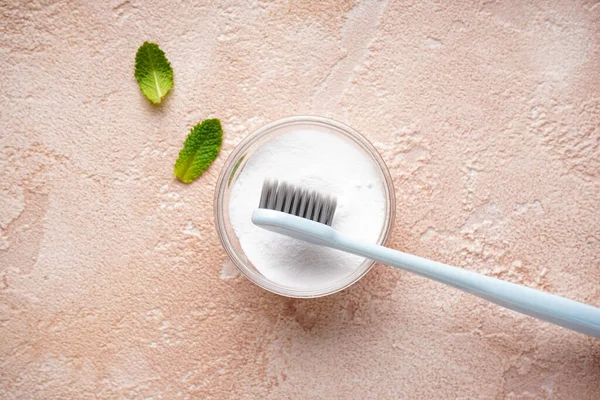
200	149
153	72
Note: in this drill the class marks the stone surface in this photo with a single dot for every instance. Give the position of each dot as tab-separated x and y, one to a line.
113	283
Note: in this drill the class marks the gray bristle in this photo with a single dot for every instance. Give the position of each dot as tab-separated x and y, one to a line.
281	196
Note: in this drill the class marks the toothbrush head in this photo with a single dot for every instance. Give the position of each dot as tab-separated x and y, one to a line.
301	202
296	212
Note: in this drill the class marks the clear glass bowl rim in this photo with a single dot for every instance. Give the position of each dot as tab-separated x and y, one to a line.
229	169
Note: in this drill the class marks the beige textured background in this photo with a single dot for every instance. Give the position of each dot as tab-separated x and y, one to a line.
113	283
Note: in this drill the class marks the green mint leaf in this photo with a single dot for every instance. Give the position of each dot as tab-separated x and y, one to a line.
200	149
153	72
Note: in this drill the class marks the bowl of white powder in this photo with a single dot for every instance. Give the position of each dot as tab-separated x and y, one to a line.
316	153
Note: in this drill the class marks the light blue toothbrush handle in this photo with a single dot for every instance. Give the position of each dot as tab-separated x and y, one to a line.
545	306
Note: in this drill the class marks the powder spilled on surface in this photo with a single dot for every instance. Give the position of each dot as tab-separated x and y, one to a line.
315	160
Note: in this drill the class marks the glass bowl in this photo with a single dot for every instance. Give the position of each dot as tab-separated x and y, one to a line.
234	166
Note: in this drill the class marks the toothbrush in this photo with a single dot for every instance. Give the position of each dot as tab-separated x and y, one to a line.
307	215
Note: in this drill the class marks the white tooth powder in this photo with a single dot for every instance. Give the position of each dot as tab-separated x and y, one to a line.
316	160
